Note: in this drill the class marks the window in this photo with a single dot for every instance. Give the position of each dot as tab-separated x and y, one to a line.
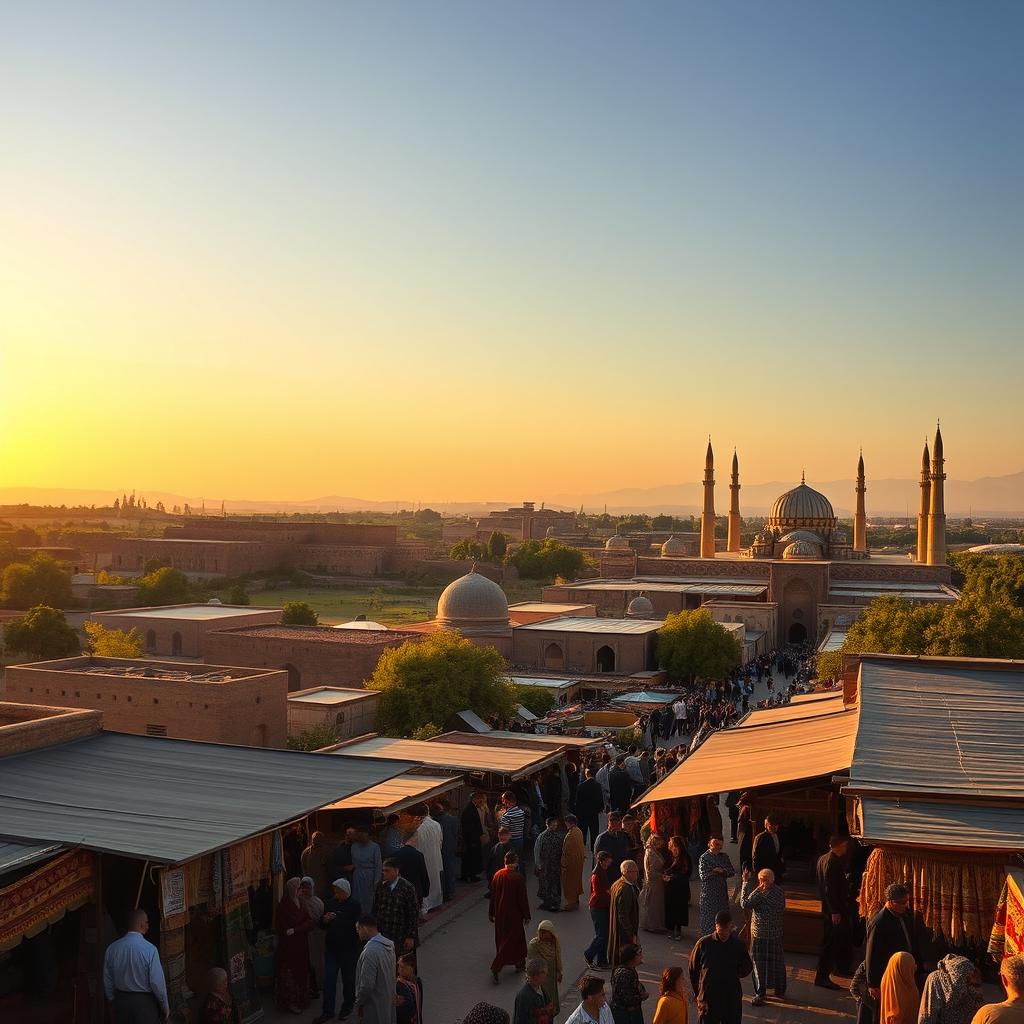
156	730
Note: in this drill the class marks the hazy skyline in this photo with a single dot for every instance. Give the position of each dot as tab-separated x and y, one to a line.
464	251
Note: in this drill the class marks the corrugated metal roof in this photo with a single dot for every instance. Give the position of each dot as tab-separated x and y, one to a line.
168	800
810	698
544	683
740	758
461	756
964	826
393	795
645	697
581	624
833	641
794	712
525	740
18	855
943	728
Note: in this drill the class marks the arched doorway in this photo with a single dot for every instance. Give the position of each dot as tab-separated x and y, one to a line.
151	641
258	736
553	657
797	633
294	678
605	659
176	644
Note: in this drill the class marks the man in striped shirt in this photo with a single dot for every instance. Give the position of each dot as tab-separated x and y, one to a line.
513	817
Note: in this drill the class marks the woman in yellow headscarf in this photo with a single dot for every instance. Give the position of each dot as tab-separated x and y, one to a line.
900	999
545	944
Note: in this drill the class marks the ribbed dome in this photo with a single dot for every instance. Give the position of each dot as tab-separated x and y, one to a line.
472	602
802	505
640	608
672	547
616	543
801	549
805	535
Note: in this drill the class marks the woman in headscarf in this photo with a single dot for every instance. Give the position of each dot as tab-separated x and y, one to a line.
314	906
714	868
218	1007
952	992
546	946
900	1000
677	887
652	896
292	960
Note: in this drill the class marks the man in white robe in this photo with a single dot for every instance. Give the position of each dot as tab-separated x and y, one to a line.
427	839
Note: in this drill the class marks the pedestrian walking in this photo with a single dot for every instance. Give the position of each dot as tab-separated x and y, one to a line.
547	857
376	970
713	869
677	876
596	954
396	908
533	1004
900	1000
952	992
624	912
341	950
628	991
573	856
133	979
674	1004
545	946
652	896
836	913
718	963
292	957
509	911
767	904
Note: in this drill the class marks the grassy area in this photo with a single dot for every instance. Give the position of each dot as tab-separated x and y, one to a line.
390	605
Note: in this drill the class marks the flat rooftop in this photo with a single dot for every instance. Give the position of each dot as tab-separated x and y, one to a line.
184	540
546	683
195	612
324	634
546	606
330	695
141	668
680	585
573	624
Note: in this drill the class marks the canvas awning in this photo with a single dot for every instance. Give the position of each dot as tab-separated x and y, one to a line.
165	800
793	712
961	826
522	740
396	794
763	756
514	762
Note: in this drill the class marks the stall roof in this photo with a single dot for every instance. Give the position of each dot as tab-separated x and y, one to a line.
645	697
20	855
545	682
168	800
462	756
472	720
524	740
941	726
963	826
767	756
809	698
397	793
835	639
580	624
794	712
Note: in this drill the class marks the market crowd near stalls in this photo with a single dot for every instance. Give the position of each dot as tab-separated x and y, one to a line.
733	843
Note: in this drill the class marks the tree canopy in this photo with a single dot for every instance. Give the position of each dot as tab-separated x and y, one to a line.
546	559
114	643
41	633
535	699
426	682
299	613
40	581
164	586
691	645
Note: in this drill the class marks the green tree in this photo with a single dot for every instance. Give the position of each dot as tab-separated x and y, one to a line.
152	565
298	613
316	737
8	553
544	560
164	586
497	546
691	645
426	732
40	581
464	549
534	699
238	594
428	681
42	633
113	643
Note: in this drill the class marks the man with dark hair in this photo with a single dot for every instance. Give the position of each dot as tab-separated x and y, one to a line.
412	866
593	1008
509	911
620	786
513	817
767	851
397	907
836	913
449	845
375	974
888	932
615	841
717	964
475	837
596	954
589	805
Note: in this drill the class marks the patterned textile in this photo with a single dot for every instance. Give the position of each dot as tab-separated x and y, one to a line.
950	995
549	868
398	912
486	1013
241	972
714	889
627	992
953	895
767	908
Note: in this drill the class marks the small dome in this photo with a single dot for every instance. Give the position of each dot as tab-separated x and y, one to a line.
215	601
616	543
801	549
673	547
996	549
640	608
806	535
473	602
802	505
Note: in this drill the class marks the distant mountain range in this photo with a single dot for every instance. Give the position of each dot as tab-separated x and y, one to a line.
1000	496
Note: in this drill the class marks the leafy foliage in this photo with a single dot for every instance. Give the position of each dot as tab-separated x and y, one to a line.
42	632
546	559
428	681
298	613
534	699
314	738
426	732
691	645
40	581
164	586
238	594
114	643
497	546
8	553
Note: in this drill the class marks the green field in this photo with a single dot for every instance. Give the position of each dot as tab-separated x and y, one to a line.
392	605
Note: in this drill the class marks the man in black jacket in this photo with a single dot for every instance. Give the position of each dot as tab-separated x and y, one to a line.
836	913
718	963
889	931
413	867
341	949
589	805
474	837
767	851
620	786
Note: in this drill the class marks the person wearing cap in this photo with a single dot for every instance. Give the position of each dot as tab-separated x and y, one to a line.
341	949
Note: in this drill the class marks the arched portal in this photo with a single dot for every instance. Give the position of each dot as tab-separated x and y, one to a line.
151	641
554	657
605	659
294	678
797	633
176	644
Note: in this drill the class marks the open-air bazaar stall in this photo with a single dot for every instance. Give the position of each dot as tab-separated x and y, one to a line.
191	832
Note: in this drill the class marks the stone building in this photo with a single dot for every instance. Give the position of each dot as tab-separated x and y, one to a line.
348	712
215	703
518	524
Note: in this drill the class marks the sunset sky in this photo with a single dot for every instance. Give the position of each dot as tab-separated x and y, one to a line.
465	250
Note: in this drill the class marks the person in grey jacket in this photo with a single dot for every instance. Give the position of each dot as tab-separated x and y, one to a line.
376	970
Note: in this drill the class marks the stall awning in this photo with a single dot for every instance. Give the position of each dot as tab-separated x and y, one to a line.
396	794
21	855
961	826
463	756
793	712
166	800
764	756
522	740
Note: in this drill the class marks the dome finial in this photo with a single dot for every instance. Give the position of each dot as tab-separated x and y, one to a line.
803	477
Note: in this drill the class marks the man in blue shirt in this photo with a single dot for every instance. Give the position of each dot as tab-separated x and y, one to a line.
133	979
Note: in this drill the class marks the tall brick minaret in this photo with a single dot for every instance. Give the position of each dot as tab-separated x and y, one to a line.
860	520
707	518
734	506
937	508
925	506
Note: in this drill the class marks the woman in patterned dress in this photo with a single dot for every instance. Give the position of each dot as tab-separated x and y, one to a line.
713	869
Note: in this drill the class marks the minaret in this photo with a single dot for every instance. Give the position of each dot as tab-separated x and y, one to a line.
707	518
734	506
926	499
937	507
860	520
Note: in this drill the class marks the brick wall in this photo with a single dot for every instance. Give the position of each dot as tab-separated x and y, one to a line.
344	559
633	652
248	711
30	726
229	558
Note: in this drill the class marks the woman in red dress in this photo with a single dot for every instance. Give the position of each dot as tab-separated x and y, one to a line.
292	969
